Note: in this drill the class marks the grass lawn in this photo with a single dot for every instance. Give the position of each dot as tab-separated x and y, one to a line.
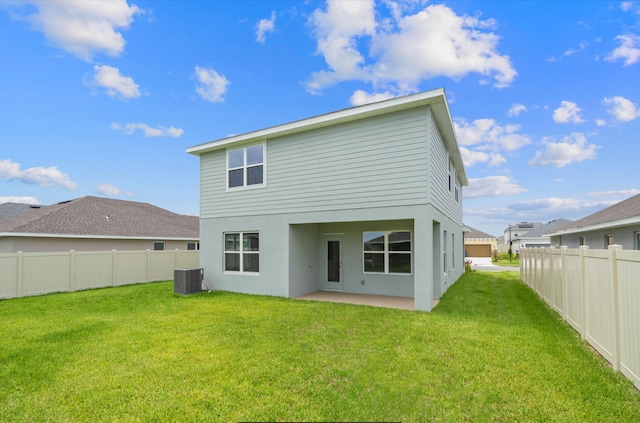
515	262
491	351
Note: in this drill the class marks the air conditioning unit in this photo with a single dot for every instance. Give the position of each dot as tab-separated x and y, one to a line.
187	281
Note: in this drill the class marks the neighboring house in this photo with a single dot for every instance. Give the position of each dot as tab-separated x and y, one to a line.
479	244
97	224
539	238
617	224
10	209
362	200
512	234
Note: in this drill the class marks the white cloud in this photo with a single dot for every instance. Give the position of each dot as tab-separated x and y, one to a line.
264	26
211	85
404	50
572	149
116	85
516	109
624	193
160	131
18	199
629	50
41	176
360	97
582	47
546	204
81	28
336	30
492	186
110	190
486	134
469	158
622	109
626	6
568	112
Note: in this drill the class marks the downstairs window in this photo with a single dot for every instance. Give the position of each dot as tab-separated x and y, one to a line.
242	252
387	252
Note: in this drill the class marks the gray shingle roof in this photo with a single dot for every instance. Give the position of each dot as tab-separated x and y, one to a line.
547	228
9	209
623	210
95	216
474	233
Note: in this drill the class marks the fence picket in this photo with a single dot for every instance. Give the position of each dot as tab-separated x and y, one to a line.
604	296
87	269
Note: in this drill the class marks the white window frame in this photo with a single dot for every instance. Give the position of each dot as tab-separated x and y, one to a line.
245	167
164	245
241	253
608	240
450	179
386	253
196	246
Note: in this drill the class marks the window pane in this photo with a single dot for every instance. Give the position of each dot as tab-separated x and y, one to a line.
251	262
399	263
254	154
235	158
232	242
236	178
158	246
399	241
254	175
374	241
251	242
374	262
232	262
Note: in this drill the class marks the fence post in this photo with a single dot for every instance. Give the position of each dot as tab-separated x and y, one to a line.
113	267
20	275
563	278
552	280
72	270
147	265
583	291
613	262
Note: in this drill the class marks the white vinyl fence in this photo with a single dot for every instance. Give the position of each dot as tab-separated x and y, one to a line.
24	274
597	292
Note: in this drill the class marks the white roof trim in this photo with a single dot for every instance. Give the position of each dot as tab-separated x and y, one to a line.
635	220
435	98
44	235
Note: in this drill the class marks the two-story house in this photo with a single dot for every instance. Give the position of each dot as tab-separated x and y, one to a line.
362	200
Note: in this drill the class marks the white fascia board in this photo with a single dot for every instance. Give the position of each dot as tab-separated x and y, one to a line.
635	220
434	98
39	235
333	118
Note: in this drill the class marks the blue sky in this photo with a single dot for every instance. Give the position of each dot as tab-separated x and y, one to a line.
102	97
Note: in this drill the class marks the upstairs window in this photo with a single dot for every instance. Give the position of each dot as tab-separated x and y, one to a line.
245	167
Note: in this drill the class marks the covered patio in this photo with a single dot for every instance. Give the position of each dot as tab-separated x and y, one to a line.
386	301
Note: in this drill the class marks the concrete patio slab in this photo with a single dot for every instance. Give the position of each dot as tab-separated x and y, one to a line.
402	303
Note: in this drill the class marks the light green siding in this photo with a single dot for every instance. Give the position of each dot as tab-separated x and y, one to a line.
441	197
375	162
